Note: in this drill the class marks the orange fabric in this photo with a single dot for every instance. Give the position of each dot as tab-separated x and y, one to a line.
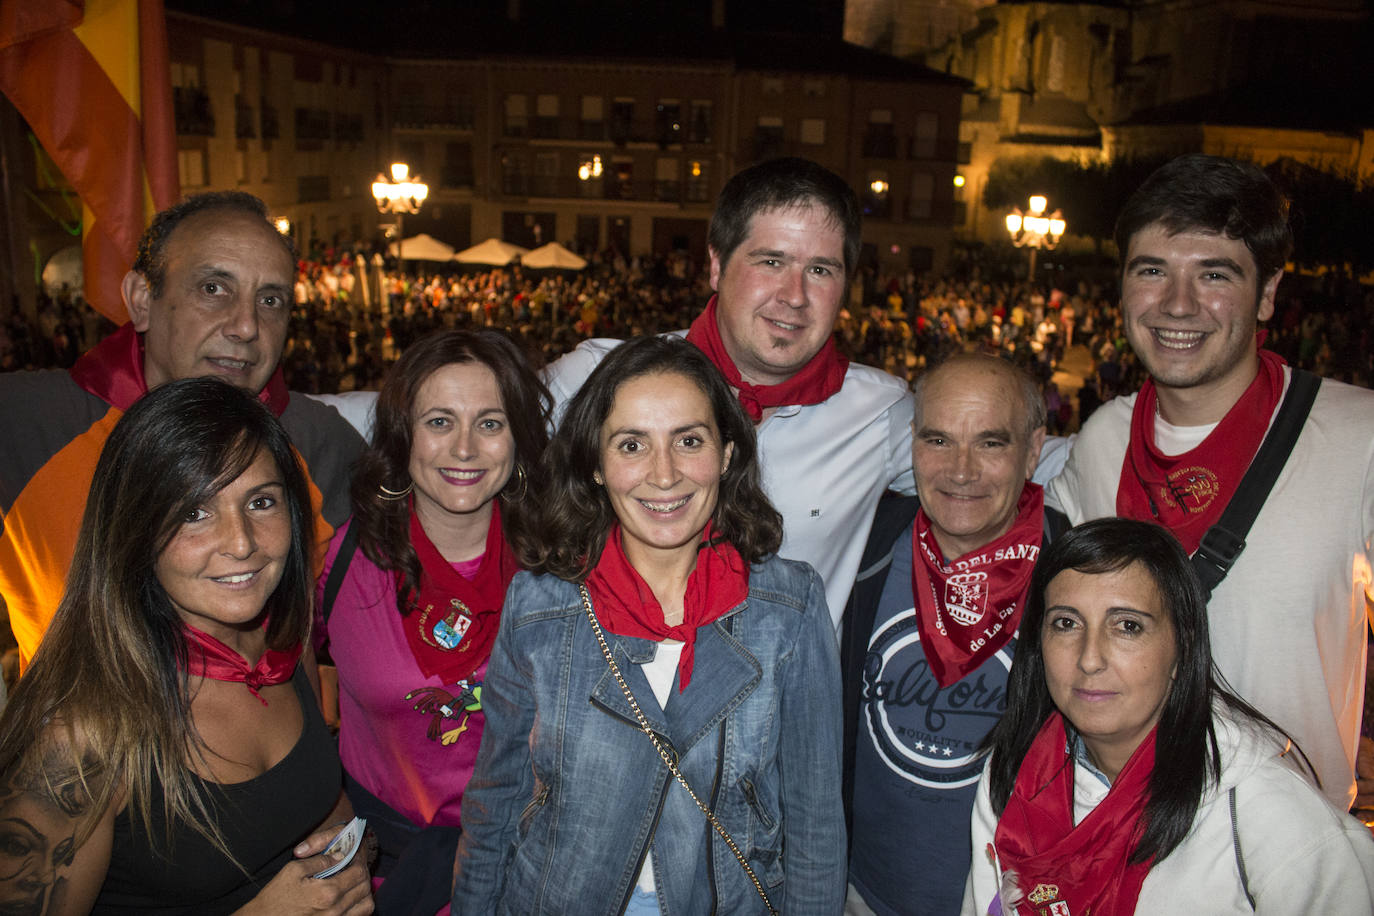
40	534
93	80
40	531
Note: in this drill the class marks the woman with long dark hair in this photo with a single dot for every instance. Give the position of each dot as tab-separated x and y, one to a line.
410	615
1124	778
663	720
165	751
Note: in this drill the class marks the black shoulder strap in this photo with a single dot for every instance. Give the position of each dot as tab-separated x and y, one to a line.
339	570
1224	541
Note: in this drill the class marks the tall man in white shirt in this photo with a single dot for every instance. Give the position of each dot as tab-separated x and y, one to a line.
784	242
1203	244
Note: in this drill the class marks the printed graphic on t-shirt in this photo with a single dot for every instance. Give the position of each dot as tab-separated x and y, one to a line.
924	734
443	707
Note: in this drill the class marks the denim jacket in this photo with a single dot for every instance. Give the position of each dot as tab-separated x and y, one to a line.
569	796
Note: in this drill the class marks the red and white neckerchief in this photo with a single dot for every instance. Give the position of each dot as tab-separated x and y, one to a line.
1187	493
967	609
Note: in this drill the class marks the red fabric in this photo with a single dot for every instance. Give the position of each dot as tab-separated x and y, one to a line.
626	606
471	608
1187	493
112	370
820	378
1084	866
954	601
115	144
206	656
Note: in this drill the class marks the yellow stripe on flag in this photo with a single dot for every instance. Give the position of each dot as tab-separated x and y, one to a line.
109	30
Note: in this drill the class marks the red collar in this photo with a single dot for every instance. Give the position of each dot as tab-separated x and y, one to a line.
112	370
821	377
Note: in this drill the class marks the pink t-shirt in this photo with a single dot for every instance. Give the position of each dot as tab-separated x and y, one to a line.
417	760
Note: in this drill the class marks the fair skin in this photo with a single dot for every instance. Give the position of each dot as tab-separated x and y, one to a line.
780	291
224	305
461	454
218	570
1191	303
1110	659
971	453
227	557
661	463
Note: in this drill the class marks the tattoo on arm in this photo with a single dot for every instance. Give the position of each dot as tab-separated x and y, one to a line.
43	808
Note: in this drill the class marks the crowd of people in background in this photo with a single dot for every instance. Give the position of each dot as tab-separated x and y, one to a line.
353	318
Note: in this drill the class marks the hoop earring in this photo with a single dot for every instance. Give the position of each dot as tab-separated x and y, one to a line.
393	495
524	484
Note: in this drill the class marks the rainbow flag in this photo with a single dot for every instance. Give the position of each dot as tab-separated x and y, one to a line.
92	79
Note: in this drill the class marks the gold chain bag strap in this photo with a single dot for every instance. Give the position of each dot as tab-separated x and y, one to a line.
663	751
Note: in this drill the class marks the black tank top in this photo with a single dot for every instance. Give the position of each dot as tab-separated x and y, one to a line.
261	821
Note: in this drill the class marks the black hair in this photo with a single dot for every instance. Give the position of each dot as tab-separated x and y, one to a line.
777	185
1187	756
1212	194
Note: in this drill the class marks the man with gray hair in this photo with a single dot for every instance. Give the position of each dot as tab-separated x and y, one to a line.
928	635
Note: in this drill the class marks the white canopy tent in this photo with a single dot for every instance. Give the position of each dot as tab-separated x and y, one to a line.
553	255
493	252
422	247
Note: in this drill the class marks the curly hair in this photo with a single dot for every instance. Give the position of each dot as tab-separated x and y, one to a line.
384	524
575	513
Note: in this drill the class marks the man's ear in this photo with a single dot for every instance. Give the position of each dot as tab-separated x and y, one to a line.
138	299
1267	294
715	268
1037	442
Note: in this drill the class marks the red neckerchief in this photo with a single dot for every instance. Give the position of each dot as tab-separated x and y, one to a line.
206	656
112	370
452	621
626	605
821	377
1187	493
1084	866
953	601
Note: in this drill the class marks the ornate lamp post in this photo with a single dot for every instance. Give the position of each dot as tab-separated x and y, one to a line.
400	196
1034	230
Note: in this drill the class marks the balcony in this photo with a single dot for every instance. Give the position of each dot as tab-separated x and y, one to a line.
194	115
245	125
608	187
446	116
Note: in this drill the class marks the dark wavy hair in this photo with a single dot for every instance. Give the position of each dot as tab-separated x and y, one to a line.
151	259
384	525
1187	756
112	665
776	185
1212	194
576	514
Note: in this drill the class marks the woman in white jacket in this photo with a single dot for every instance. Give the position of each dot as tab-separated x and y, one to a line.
1124	778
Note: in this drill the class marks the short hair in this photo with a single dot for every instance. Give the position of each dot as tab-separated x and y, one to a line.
1211	194
1187	754
1034	402
151	259
384	525
576	514
777	185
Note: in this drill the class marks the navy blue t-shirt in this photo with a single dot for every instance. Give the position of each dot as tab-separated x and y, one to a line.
916	769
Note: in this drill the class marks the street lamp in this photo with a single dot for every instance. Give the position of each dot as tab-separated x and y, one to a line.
1034	230
400	196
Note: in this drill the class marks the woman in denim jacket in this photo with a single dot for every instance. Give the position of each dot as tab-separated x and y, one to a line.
654	521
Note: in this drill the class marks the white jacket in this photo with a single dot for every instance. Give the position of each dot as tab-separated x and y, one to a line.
1302	856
